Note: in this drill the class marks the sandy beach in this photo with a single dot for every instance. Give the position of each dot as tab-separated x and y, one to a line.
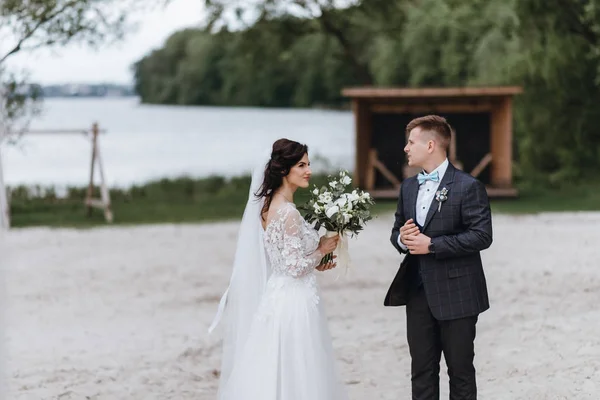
122	312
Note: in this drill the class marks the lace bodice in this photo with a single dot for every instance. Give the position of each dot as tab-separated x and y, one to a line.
291	243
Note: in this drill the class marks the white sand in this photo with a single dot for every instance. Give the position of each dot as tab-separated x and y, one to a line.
121	313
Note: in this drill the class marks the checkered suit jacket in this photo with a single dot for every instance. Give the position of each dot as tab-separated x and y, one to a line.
453	277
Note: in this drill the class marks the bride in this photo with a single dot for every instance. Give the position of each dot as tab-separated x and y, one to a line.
276	342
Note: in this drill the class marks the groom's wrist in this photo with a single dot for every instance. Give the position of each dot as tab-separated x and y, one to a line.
431	246
401	244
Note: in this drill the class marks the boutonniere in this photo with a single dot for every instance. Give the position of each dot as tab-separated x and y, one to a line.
441	196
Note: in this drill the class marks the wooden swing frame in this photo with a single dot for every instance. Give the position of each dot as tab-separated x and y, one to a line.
90	202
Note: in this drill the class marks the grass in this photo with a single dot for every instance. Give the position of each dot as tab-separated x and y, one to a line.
569	197
188	200
165	201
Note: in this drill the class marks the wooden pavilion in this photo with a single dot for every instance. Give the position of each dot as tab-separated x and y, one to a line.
481	118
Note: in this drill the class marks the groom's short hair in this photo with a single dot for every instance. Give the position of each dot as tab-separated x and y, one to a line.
434	124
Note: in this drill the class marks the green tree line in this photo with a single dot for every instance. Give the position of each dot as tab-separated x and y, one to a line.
302	53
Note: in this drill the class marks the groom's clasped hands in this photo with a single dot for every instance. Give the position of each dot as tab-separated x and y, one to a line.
412	238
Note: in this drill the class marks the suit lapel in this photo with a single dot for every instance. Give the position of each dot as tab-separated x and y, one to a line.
413	193
446	182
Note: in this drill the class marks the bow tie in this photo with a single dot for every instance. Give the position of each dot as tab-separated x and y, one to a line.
423	177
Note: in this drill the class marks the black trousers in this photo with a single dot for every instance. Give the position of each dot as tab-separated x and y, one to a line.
427	339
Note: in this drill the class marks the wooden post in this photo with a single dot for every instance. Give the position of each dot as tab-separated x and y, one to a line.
90	191
362	126
369	180
4	206
104	202
501	144
104	193
452	147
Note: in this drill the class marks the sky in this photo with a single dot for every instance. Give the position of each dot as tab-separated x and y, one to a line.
77	64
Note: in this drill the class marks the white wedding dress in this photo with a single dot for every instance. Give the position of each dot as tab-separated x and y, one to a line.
288	353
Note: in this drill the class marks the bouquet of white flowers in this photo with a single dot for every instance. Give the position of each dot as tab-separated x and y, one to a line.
340	211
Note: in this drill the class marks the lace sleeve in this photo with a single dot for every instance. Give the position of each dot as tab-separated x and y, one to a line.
297	262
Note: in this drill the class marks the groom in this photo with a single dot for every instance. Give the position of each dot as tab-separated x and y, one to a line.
442	222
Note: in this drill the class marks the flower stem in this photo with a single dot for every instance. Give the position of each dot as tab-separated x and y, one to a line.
327	258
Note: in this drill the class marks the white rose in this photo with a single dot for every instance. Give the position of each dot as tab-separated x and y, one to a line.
316	191
331	211
325	198
353	197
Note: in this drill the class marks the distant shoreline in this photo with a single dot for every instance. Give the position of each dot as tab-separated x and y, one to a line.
83	90
320	107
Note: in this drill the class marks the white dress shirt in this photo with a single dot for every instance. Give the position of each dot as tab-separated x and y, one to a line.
425	197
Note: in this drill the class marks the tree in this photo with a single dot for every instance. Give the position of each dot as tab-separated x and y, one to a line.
18	102
351	23
559	64
34	24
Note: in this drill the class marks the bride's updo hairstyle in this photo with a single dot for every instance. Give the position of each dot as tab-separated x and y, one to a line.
286	153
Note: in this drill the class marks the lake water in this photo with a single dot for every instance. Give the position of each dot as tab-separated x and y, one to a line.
146	142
